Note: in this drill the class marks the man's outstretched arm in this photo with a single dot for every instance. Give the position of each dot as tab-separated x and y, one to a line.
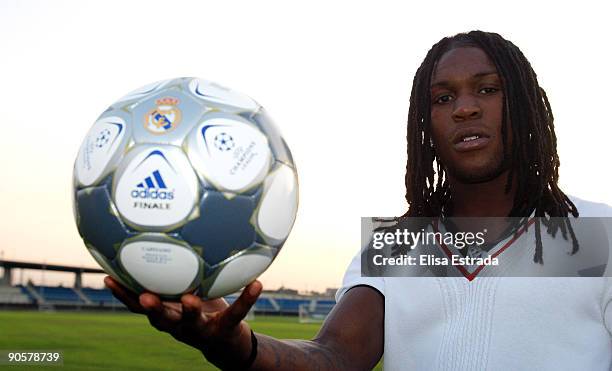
351	337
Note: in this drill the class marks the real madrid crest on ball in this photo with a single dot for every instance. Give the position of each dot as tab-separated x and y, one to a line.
184	186
163	118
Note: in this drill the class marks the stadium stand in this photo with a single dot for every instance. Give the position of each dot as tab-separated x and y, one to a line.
263	305
91	298
60	294
100	296
316	311
31	294
321	308
13	295
290	305
67	296
42	297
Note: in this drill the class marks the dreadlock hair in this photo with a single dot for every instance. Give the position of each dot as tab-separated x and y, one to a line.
534	158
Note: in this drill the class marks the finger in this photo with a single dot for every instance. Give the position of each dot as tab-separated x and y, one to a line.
195	320
162	316
153	305
127	297
192	308
152	302
240	308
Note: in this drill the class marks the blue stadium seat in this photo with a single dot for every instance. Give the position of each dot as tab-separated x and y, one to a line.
323	307
99	296
262	304
58	294
291	305
27	293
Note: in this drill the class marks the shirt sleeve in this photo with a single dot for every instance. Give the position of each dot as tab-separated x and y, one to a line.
353	276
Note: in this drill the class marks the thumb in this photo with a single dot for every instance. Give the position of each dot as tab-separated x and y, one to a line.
240	308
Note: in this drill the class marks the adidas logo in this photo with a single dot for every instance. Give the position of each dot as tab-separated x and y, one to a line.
153	187
151	184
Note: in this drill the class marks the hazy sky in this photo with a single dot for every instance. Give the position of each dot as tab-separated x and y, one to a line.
335	77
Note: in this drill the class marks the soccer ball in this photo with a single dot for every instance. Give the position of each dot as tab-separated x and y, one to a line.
184	186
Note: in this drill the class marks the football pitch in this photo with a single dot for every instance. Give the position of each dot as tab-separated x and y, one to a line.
118	341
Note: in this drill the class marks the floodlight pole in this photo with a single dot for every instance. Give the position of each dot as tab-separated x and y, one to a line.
5	279
77	280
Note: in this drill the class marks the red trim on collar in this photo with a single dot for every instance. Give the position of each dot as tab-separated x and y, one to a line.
465	272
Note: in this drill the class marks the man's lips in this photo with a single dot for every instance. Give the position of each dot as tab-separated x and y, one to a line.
472	144
470	139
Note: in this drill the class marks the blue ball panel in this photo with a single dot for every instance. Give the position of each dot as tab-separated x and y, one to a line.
97	225
222	228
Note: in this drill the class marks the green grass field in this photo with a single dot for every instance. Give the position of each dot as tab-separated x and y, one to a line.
118	341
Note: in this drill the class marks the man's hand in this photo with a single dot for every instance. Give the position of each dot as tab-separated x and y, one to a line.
212	326
352	337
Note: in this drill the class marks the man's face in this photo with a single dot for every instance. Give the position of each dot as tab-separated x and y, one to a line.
466	115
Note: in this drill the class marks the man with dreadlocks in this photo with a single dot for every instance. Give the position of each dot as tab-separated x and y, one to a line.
481	142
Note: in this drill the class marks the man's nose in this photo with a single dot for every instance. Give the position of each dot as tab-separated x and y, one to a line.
466	109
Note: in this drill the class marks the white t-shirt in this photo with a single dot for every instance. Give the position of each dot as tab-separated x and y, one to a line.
495	323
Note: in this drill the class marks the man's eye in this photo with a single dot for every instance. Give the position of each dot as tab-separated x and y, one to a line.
443	99
488	90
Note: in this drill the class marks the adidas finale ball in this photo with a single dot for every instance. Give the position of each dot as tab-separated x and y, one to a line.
184	186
